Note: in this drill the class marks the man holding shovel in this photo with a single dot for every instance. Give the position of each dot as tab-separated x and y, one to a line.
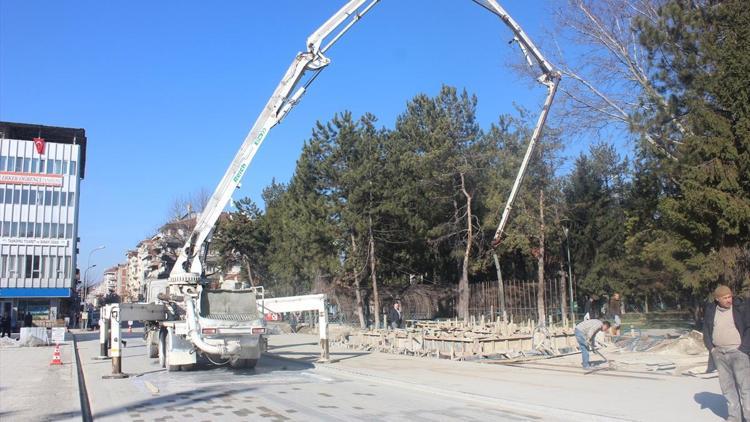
585	334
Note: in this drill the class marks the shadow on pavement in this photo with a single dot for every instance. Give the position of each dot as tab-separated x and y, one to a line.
184	404
305	357
286	346
716	402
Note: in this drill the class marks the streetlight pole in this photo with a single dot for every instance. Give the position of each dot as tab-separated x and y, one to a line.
86	281
570	279
88	267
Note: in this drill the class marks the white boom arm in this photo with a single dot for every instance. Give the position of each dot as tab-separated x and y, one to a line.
188	267
550	78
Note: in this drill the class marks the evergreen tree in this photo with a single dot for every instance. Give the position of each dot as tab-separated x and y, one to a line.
700	57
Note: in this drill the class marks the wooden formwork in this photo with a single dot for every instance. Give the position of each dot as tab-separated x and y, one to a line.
458	343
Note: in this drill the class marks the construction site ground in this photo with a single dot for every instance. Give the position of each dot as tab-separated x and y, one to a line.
288	385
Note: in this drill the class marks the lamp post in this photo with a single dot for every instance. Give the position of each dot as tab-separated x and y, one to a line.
86	281
88	267
570	278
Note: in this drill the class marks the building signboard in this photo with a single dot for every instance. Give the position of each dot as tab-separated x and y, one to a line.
35	179
26	241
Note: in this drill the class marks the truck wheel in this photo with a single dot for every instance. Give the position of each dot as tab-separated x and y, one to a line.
153	346
243	363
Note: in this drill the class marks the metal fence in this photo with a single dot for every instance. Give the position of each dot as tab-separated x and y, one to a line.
520	299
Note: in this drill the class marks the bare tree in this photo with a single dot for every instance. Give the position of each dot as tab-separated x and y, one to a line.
606	70
187	204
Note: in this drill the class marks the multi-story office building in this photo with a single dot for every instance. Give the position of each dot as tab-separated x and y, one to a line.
41	168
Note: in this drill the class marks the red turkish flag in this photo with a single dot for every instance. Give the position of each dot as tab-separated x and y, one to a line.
39	143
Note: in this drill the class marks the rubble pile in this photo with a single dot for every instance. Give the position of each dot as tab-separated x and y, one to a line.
686	344
8	342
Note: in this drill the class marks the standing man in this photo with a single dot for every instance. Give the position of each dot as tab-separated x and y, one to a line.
587	308
586	332
28	319
614	310
4	325
726	333
395	318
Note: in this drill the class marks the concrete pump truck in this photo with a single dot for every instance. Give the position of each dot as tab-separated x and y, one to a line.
184	318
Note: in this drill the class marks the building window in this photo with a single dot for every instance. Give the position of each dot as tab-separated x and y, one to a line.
73	168
32	263
12	269
24	196
55	198
16	196
59	269
19	164
3	160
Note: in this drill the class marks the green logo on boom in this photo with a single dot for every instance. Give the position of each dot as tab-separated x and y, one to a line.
240	172
260	136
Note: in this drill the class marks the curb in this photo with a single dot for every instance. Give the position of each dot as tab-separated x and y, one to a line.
83	395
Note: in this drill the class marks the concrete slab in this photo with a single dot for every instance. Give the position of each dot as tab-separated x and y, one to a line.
33	390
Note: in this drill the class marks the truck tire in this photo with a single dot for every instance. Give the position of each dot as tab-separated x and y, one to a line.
153	346
243	363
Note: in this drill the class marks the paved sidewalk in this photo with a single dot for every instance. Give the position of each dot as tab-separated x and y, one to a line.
33	390
610	394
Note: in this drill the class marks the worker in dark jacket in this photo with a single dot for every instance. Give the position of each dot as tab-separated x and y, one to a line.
726	333
395	317
5	325
28	320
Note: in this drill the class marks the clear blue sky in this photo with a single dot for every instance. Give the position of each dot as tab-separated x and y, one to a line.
167	90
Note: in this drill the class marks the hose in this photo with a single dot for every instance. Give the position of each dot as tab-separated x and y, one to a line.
191	318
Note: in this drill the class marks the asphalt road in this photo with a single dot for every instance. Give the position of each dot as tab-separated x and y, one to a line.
278	389
286	385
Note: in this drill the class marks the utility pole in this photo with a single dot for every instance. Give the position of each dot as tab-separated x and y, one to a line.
570	279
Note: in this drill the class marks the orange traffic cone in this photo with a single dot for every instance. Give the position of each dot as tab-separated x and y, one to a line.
56	356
